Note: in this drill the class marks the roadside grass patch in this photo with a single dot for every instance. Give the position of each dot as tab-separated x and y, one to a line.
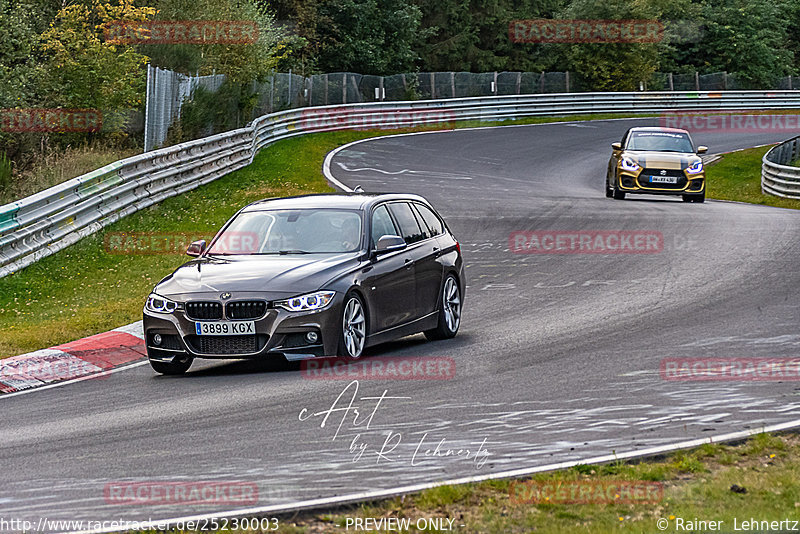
737	176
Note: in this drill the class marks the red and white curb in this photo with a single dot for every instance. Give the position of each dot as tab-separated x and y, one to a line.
89	357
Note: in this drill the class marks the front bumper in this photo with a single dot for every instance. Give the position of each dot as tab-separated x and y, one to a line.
278	332
636	183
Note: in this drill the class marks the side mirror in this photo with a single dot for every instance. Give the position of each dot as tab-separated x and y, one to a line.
388	243
616	146
196	248
702	149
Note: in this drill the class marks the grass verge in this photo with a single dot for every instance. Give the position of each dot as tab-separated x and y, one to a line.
58	166
737	176
756	479
84	290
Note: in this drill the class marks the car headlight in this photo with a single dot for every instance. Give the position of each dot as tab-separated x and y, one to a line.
628	164
158	304
311	301
694	168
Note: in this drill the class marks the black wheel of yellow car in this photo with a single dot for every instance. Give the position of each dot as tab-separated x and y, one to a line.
609	191
175	367
699	198
618	194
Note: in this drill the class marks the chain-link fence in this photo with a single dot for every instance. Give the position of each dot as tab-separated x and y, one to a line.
168	91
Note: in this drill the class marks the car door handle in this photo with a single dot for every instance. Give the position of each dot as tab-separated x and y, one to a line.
408	262
436	249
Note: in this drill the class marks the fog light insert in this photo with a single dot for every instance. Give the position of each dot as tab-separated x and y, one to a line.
156	339
627	182
312	337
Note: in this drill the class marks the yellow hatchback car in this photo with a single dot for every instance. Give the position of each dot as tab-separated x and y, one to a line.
656	161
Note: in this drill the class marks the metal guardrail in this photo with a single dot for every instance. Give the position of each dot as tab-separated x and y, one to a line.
51	220
777	177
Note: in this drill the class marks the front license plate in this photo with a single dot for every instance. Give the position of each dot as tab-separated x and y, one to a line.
225	328
663	179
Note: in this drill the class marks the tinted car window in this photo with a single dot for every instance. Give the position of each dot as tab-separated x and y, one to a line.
660	141
381	224
290	231
409	228
431	220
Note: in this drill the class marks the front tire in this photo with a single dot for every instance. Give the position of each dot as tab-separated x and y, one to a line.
617	193
173	368
353	335
449	311
695	198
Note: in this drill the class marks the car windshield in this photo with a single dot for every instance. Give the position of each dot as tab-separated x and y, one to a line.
297	231
660	142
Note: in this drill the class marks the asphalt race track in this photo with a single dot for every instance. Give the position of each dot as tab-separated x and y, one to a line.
557	359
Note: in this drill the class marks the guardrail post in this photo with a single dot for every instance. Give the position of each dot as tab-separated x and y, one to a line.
541	83
326	90
289	99
453	84
272	94
696	80
344	88
724	80
147	109
433	85
494	84
519	82
566	80
671	86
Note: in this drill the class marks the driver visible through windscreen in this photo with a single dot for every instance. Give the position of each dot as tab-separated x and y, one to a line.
299	231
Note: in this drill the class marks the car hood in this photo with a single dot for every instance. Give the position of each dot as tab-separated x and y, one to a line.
281	276
662	160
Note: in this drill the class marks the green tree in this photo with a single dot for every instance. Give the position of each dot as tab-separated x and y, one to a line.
472	35
364	36
240	63
621	66
85	70
748	38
